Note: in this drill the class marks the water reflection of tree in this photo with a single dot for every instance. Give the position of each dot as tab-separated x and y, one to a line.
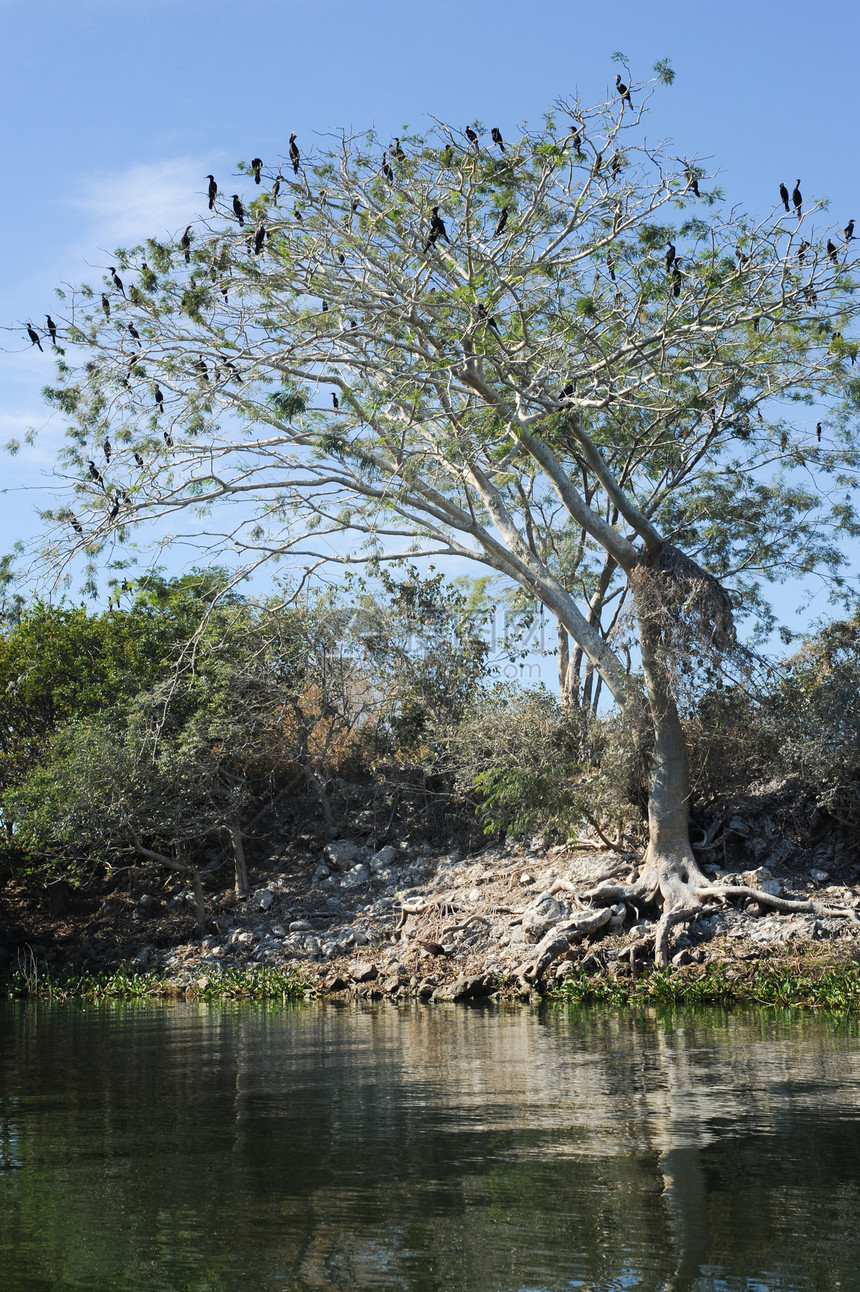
421	1149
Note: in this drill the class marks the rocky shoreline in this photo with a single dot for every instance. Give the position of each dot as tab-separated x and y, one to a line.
405	921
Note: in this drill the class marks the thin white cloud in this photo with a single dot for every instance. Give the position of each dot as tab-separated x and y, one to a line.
147	199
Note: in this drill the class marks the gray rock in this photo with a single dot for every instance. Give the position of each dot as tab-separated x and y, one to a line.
340	853
263	899
322	872
763	878
391	985
356	877
819	876
362	971
383	858
297	926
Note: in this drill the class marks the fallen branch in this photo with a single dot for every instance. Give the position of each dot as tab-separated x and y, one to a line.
559	940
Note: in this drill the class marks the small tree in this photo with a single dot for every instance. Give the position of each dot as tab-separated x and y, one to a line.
565	361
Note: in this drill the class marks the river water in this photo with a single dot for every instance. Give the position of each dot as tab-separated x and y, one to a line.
192	1148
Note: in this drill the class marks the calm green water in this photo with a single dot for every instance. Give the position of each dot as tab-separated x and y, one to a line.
340	1147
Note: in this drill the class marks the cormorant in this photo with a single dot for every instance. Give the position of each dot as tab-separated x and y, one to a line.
447	155
95	474
138	459
486	317
623	92
566	391
114	511
670	257
76	524
259	239
386	169
298	215
159	399
802	250
276	187
831	251
107	450
294	152
818	431
256	167
848	231
797	198
334	400
238	210
134	332
597	163
783	193
185	244
437	229
471	136
396	150
168	439
692	180
213	191
497	137
677	276
34	336
325	307
52	327
501	222
116	280
106	306
616	164
576	140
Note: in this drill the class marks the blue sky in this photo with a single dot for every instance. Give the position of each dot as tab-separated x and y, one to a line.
115	110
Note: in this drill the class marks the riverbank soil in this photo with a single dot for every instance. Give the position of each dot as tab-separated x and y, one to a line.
453	923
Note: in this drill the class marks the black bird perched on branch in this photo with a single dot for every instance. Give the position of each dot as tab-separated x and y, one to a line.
325	307
294	152
238	210
259	239
566	391
670	257
576	140
818	431
471	136
437	229
692	180
76	524
213	191
397	151
106	306
52	327
486	317
447	155
497	137
783	193
185	244
298	215
623	92
95	474
159	399
677	277
334	400
168	439
139	460
276	187
386	169
501	222
34	336
134	332
802	250
114	511
848	231
597	163
107	449
797	198
116	280
256	167
615	164
831	251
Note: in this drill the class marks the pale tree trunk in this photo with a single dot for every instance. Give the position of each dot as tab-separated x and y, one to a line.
240	869
669	866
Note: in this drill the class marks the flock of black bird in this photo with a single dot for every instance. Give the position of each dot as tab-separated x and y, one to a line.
436	232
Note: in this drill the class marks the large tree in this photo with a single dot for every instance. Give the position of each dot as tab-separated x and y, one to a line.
559	356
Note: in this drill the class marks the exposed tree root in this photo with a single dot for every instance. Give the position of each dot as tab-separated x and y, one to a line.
668	920
781	903
560	939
